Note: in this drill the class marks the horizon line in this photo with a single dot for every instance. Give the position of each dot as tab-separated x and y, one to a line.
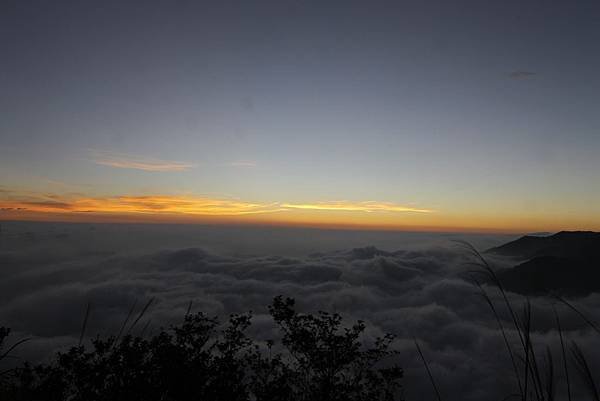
308	225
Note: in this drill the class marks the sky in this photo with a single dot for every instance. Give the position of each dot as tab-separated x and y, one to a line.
419	115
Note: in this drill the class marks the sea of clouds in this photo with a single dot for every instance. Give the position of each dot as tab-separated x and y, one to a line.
414	285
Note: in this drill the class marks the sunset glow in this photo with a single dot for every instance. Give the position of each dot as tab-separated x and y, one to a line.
31	205
368	207
183	205
158	204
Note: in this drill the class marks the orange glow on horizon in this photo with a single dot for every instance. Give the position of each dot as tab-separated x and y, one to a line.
336	215
160	204
368	206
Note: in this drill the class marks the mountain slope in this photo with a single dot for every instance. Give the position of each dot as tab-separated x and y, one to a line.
566	262
573	244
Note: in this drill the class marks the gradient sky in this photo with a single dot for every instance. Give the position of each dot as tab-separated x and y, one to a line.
400	114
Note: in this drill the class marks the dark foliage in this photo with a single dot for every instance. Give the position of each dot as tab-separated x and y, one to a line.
315	359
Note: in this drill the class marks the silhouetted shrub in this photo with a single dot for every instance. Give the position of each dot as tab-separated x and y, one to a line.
315	359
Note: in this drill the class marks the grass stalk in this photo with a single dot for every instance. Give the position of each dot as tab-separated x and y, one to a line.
564	354
550	387
437	392
578	312
504	336
141	314
124	323
584	371
84	325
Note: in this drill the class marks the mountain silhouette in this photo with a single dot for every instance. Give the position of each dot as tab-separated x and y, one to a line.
566	263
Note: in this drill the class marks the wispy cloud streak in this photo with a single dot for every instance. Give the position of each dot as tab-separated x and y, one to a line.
368	207
520	74
121	160
157	204
24	204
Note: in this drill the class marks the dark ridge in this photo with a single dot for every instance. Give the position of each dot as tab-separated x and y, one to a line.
569	244
551	274
566	263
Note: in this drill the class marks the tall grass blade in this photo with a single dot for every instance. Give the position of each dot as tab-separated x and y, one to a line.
437	392
145	328
489	271
124	323
141	314
581	314
564	354
584	371
526	326
492	274
531	364
12	347
84	325
504	336
550	385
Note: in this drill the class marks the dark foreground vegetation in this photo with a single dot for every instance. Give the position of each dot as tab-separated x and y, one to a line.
316	358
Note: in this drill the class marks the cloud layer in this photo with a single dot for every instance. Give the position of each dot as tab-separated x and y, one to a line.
50	276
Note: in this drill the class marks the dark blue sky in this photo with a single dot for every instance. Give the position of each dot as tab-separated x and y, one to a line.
468	108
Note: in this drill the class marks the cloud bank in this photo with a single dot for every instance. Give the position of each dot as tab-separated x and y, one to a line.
48	278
